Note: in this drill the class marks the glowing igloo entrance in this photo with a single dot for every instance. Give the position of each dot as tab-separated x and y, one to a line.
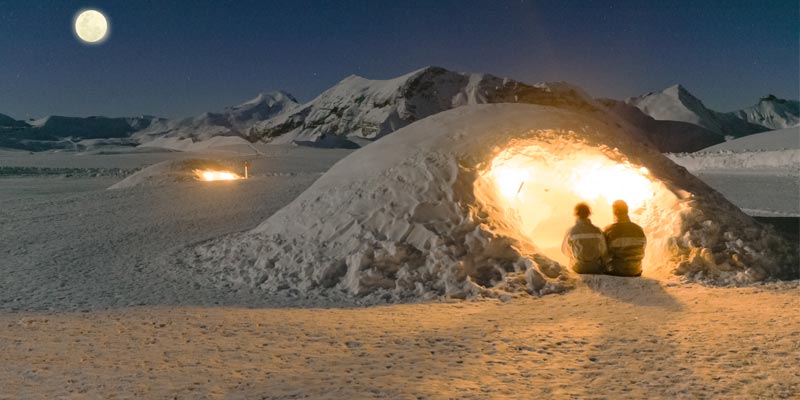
529	188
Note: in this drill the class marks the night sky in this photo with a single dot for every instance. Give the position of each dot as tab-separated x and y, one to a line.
180	58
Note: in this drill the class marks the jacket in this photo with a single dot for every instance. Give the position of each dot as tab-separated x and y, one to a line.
585	246
626	243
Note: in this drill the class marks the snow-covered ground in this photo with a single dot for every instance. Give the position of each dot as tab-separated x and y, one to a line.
759	173
612	338
70	244
88	309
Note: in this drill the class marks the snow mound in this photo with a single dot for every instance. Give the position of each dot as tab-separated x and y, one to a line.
781	139
471	201
170	171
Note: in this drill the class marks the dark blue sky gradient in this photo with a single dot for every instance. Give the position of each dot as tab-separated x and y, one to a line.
180	58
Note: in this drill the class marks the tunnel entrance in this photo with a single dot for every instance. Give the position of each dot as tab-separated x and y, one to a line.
529	188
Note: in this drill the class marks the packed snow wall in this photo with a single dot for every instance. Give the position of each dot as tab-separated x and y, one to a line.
472	201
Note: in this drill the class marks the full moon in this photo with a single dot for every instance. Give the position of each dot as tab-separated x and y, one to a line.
91	26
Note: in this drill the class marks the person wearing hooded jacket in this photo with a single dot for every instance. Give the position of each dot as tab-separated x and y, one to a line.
626	242
584	244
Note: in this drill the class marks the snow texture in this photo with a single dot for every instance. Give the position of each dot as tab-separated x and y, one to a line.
398	220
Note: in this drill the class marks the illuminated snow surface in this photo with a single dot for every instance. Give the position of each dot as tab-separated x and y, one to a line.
91	304
413	216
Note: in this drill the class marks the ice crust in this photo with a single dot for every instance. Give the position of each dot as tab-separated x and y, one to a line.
398	221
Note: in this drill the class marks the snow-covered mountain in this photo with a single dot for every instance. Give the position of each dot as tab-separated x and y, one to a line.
7	122
675	103
364	109
358	110
56	132
666	136
232	121
772	112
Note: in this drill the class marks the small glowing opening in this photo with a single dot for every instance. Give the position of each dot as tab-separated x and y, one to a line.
212	175
530	188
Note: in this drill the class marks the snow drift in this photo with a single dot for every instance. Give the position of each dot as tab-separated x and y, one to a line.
432	211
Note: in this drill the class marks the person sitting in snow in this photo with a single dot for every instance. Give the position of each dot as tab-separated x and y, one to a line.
584	243
626	242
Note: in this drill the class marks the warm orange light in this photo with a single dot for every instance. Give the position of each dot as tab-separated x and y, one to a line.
211	175
528	190
597	179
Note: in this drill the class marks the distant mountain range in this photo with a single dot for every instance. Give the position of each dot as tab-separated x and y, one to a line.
57	132
232	121
675	103
363	109
358	110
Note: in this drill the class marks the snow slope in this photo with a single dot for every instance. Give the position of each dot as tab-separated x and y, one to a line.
772	112
399	219
232	121
369	109
780	139
675	103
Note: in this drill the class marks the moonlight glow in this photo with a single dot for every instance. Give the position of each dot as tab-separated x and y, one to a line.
91	26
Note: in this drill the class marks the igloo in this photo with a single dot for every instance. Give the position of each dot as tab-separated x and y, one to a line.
475	201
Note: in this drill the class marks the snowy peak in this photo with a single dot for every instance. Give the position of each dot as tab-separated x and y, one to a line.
772	112
676	103
270	99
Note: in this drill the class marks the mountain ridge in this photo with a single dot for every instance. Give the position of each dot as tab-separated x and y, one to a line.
358	110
